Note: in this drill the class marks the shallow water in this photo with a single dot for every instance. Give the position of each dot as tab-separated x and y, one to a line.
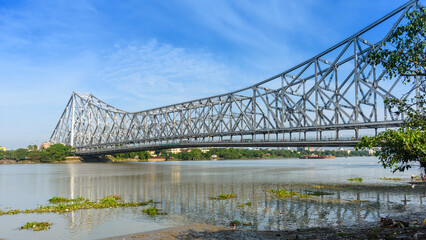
183	190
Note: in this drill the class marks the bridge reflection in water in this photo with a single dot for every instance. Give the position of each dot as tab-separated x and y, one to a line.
184	193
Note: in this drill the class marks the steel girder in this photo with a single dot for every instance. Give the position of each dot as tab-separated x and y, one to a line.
334	91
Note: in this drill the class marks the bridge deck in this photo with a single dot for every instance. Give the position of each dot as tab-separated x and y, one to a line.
123	149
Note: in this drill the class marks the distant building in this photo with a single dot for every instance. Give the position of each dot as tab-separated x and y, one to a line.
152	153
174	150
310	149
45	145
204	150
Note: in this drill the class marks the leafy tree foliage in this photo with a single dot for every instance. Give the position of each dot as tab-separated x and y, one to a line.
32	147
406	55
56	152
407	58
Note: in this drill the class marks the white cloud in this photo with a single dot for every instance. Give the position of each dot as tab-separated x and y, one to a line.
161	74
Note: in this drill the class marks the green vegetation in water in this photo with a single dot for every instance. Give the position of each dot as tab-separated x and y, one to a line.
56	200
153	211
244	204
319	193
282	193
234	223
359	201
391	179
318	187
223	196
36	226
73	205
357	179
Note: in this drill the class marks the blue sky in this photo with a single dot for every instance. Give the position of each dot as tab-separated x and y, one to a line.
137	55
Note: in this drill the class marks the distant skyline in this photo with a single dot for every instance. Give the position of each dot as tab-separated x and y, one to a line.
137	55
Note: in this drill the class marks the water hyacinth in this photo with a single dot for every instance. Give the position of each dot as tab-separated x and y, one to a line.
62	205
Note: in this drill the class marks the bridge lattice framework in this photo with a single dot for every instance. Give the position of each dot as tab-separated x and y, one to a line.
336	93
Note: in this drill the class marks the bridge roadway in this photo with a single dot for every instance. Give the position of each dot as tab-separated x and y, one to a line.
273	143
191	142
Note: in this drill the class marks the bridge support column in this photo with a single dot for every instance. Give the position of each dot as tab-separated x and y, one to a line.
337	135
356	133
375	132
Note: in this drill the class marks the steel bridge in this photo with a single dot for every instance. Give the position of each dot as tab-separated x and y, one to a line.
329	100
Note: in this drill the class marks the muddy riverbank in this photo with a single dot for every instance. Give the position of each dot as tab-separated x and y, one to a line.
415	230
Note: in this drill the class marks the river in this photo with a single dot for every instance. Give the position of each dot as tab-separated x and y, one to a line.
183	190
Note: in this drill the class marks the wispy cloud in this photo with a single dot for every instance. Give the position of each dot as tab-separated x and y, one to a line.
159	74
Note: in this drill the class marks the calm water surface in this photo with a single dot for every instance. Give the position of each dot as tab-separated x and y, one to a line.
183	189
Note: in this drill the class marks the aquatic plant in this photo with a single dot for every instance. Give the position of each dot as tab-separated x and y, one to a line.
318	187
153	211
357	179
223	196
244	204
319	193
390	179
281	193
234	223
36	226
57	199
82	203
359	201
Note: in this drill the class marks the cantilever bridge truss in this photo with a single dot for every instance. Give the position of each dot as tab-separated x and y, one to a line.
329	100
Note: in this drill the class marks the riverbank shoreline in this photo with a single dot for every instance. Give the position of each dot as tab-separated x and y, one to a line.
124	160
377	230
